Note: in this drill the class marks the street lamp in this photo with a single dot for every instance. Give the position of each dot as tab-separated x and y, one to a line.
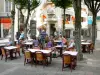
18	7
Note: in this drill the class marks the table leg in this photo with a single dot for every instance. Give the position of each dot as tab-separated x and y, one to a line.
50	58
11	54
61	52
84	48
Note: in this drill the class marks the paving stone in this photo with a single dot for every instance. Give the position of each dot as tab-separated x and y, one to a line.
89	66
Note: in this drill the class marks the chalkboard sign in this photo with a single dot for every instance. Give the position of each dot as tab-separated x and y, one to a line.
33	27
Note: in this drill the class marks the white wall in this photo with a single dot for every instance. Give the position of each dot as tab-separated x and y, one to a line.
16	22
98	27
98	30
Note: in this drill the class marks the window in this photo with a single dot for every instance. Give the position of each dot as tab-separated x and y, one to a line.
7	6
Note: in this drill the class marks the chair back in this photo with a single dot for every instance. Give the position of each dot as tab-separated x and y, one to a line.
91	46
67	59
18	47
3	51
47	48
27	55
72	48
39	56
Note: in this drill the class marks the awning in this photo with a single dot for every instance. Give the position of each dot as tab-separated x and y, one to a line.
6	22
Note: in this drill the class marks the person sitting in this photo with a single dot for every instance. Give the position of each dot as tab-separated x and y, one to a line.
49	44
60	40
64	40
71	45
21	36
17	36
10	42
36	43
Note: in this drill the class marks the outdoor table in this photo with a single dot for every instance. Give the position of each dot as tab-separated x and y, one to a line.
2	45
4	41
10	49
31	40
73	53
73	56
57	41
46	52
61	48
84	44
83	40
29	44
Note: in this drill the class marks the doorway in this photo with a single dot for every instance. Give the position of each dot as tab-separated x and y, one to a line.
67	33
52	29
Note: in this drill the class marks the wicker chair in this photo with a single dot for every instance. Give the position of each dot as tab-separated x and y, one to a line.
69	61
91	48
4	54
27	57
40	57
18	49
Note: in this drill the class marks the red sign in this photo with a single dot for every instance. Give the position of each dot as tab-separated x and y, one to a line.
5	20
6	23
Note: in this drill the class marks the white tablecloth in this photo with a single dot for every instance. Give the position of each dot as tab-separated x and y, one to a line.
10	47
28	43
57	41
85	43
2	45
60	46
73	53
44	51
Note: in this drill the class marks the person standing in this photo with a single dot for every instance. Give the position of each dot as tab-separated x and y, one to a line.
21	36
17	36
42	37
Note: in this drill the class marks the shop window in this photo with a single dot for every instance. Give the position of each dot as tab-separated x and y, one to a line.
7	6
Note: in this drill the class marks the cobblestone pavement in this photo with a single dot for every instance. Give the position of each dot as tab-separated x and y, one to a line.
90	65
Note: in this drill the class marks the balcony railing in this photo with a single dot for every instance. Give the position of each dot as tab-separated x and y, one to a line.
51	17
51	11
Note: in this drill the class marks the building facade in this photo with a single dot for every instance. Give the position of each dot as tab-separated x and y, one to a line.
53	18
5	21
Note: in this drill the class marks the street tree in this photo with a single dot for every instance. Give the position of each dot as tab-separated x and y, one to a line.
28	5
77	32
94	7
63	4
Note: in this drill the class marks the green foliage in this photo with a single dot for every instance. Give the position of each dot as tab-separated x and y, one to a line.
24	4
93	5
34	4
62	3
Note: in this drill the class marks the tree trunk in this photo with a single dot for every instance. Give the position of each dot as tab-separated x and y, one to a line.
64	18
94	29
27	19
13	18
21	17
77	9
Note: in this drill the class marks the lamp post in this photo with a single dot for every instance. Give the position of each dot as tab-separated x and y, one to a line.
18	7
